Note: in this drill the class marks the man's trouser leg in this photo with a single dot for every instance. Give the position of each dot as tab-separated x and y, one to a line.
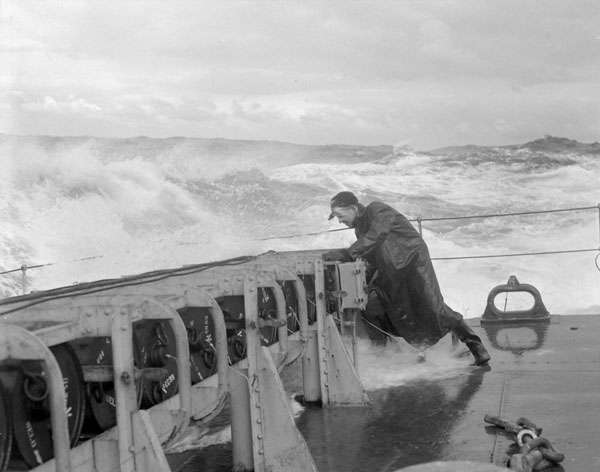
447	317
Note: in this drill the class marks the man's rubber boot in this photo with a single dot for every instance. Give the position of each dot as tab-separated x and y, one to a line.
479	352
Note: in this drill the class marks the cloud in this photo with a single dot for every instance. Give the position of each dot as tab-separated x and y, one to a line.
297	70
70	105
437	43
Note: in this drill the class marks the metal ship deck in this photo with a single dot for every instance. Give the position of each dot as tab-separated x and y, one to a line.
547	372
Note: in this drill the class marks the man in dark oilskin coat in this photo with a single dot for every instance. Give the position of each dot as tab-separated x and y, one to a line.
404	297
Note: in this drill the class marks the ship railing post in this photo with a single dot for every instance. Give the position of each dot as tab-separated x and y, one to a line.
24	279
18	343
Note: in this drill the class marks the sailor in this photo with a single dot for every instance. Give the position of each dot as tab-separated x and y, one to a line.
404	296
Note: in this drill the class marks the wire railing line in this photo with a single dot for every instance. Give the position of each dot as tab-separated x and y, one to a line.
516	254
419	220
296	235
442	218
25	267
495	215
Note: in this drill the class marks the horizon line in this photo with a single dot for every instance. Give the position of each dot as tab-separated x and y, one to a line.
278	141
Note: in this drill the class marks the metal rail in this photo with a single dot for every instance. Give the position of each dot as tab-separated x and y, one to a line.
517	254
419	220
134	444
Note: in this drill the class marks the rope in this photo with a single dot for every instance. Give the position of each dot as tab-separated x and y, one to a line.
389	335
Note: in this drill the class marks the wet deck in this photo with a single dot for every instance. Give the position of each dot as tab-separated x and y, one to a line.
548	372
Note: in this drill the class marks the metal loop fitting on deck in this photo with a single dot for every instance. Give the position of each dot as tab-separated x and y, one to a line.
537	312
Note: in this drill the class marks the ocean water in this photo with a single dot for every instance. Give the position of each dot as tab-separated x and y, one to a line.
98	208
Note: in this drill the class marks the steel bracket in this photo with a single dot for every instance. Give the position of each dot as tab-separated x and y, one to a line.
339	380
264	435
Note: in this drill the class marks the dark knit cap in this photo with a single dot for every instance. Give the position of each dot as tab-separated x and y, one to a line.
343	199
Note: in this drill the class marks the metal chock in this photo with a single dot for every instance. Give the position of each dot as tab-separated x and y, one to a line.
340	383
264	435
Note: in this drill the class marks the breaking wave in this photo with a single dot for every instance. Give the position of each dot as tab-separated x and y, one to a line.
143	204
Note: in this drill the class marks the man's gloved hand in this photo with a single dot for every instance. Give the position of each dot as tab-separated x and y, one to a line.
340	255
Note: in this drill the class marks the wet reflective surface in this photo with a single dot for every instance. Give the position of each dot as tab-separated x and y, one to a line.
405	425
547	372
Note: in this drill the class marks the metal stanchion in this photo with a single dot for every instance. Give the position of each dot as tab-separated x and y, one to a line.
24	279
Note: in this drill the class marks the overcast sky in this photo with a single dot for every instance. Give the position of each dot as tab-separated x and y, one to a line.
425	73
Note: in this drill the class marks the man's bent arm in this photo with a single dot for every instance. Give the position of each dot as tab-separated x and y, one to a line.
382	220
